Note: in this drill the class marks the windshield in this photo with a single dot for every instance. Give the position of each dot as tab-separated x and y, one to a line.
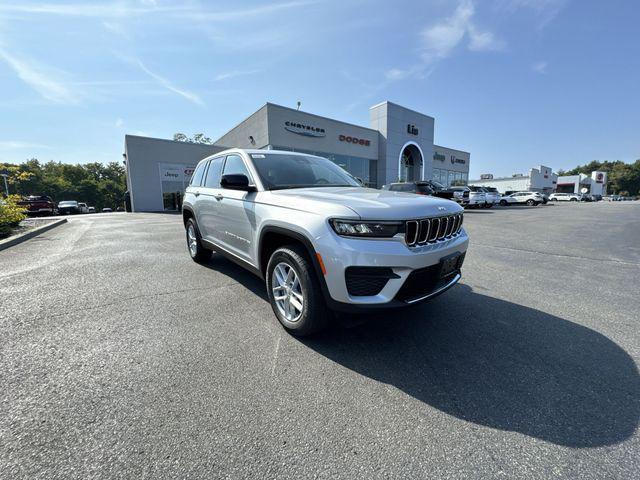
280	170
437	185
68	203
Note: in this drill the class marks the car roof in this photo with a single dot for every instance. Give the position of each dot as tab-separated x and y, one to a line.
262	151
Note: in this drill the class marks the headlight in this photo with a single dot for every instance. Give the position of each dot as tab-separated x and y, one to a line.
355	228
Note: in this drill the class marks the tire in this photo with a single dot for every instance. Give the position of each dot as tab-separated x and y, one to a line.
197	252
573	200
306	293
531	203
503	203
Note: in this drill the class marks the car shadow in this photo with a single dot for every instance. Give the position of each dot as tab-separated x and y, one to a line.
489	361
500	365
223	265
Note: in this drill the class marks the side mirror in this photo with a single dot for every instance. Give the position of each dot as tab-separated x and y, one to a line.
236	182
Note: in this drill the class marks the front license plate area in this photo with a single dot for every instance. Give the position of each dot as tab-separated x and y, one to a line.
449	264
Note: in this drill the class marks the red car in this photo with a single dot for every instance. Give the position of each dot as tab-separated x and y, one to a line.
38	205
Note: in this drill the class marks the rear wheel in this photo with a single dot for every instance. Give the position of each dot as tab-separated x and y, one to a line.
294	291
503	203
194	243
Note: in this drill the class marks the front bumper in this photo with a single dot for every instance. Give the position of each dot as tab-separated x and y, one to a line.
339	253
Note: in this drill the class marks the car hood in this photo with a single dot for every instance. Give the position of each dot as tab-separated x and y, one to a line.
367	203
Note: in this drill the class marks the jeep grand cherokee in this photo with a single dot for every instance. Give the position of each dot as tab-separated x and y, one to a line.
318	238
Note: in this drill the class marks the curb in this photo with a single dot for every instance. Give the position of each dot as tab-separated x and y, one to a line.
10	242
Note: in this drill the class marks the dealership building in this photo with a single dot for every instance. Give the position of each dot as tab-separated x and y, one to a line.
543	180
397	146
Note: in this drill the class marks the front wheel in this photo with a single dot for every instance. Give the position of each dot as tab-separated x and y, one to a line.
531	203
194	243
294	291
573	200
503	203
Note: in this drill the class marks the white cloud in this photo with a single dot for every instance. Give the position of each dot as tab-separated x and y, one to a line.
440	39
124	9
539	67
244	13
42	79
483	41
419	71
100	10
192	97
17	145
545	10
234	73
116	28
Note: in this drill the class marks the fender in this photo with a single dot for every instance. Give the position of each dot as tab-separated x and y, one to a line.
307	245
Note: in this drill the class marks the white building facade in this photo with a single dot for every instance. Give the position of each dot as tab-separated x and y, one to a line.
541	179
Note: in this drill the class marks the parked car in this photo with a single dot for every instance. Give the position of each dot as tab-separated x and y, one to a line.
106	210
492	196
477	197
427	187
318	238
38	205
528	198
92	210
565	197
69	207
83	207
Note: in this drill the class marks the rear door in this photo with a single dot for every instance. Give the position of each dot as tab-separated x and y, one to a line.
207	203
237	223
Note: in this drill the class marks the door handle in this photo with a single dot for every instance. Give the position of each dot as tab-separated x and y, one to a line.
218	196
197	194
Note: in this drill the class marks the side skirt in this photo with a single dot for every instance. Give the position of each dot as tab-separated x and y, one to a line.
234	258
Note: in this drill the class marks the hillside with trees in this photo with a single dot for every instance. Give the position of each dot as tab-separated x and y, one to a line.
97	184
622	178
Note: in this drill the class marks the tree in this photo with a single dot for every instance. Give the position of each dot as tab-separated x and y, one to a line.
621	176
197	138
95	183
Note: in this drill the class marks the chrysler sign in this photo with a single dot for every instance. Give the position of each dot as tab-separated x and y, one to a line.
302	129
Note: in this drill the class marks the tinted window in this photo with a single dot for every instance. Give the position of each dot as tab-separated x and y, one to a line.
424	189
213	173
196	178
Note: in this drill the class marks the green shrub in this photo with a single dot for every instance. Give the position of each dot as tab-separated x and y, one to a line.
11	214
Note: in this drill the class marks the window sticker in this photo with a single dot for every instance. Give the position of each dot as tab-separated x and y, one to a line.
257	155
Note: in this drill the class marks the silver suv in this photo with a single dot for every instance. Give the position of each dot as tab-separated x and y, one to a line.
318	238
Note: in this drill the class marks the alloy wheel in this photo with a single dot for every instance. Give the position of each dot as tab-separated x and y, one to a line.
287	292
192	240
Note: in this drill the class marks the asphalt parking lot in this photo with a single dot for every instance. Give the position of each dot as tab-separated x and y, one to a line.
122	358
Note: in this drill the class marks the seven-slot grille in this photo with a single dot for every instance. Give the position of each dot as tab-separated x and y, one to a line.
429	230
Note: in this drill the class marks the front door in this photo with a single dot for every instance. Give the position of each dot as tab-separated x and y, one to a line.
237	212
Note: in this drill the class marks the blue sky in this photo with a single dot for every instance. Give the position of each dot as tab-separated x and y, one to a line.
515	82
